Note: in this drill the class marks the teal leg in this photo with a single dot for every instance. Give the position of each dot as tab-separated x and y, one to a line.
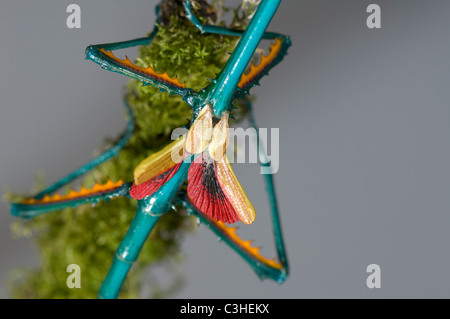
127	44
270	188
113	151
98	53
128	251
33	209
262	268
30	210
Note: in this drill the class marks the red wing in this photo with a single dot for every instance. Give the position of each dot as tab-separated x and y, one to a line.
206	193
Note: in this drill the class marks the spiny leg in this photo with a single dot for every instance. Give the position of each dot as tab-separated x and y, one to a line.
263	267
102	55
278	51
31	207
226	87
255	73
111	152
43	203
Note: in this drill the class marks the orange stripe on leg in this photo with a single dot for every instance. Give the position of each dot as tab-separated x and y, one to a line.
265	61
110	185
149	71
246	245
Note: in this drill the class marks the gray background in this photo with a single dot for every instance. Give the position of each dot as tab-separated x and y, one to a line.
364	152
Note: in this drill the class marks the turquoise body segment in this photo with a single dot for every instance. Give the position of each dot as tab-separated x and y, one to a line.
127	253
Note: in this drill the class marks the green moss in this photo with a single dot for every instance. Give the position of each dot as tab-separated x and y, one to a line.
89	236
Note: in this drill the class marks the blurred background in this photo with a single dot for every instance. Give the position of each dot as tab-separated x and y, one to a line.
364	152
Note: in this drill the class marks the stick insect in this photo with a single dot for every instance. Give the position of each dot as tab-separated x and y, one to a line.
213	193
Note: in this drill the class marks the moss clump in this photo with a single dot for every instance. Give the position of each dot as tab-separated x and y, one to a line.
89	236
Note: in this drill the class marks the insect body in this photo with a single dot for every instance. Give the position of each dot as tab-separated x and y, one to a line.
213	192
